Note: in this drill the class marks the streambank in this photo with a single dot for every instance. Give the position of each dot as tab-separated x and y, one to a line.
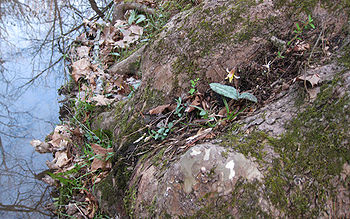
162	141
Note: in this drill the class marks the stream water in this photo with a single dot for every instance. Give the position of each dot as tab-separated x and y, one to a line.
28	47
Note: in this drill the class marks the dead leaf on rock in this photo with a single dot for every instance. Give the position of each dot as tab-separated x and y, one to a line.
159	109
80	68
313	93
312	79
200	135
52	165
48	180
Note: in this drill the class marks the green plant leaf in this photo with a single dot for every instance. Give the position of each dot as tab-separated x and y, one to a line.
248	96
310	18
115	54
192	90
203	113
312	25
140	18
227	91
132	17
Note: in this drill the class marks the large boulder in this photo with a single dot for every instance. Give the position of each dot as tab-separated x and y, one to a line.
289	159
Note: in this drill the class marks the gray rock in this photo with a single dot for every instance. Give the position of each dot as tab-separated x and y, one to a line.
204	169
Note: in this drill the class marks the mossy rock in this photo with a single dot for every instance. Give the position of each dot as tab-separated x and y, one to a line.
205	40
202	42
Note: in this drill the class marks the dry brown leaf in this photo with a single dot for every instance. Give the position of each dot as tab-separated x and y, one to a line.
313	79
100	150
195	102
83	51
80	68
131	39
99	162
136	30
102	100
120	23
60	137
158	109
301	46
41	147
61	158
51	165
48	180
110	34
313	93
223	112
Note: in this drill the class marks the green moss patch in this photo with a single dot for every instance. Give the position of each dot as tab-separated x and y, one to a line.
312	153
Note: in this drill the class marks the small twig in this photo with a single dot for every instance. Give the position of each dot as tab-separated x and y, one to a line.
313	48
80	211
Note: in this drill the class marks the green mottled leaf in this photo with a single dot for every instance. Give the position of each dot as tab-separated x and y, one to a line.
227	91
248	96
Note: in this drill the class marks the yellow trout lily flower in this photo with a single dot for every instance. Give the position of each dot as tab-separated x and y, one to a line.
231	75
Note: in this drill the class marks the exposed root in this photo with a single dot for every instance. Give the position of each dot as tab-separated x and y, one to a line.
128	66
121	8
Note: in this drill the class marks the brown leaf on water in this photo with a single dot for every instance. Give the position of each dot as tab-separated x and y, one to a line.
159	109
41	147
81	68
312	79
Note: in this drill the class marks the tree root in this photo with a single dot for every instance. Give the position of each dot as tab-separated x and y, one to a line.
121	8
128	66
